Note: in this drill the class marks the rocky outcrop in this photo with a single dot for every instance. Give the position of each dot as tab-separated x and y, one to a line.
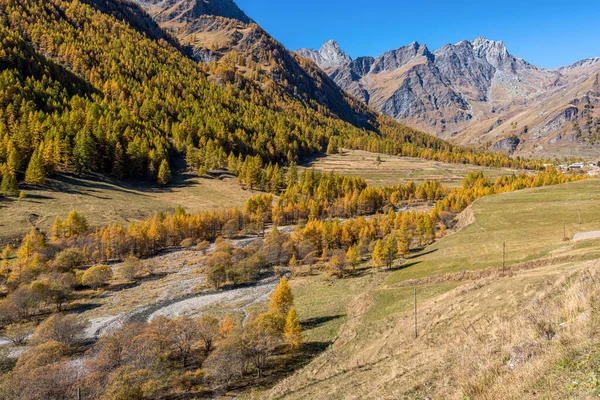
328	56
508	145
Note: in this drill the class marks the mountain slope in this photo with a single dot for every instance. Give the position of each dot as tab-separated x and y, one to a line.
476	93
484	331
113	99
177	13
240	46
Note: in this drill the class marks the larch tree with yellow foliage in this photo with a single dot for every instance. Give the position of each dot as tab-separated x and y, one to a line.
282	299
293	330
378	256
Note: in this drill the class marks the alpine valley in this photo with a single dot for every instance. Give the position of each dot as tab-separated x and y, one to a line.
190	210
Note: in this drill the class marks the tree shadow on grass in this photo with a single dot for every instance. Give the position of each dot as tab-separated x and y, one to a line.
404	266
279	367
312	323
421	252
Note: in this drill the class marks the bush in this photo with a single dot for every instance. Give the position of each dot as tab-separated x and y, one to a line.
66	329
187	243
97	276
39	356
131	267
203	246
68	259
19	334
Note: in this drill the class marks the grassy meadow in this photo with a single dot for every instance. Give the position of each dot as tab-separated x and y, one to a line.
103	200
393	170
530	222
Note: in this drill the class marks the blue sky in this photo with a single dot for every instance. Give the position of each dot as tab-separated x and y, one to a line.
546	33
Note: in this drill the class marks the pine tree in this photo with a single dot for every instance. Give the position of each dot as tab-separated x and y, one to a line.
14	161
164	173
293	330
9	185
282	299
75	224
57	229
390	251
292	174
332	147
35	174
84	152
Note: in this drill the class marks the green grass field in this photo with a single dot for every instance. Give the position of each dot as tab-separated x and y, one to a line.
393	170
530	222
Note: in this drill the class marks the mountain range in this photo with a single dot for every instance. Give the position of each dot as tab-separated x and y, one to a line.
476	93
473	93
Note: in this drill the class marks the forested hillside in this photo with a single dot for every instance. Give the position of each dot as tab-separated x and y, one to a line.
87	91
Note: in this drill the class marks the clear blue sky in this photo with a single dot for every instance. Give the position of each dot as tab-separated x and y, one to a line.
546	33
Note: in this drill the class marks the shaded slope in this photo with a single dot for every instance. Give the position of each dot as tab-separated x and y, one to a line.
258	56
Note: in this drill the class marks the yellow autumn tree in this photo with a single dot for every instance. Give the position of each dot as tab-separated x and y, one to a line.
227	326
282	299
293	330
353	257
378	256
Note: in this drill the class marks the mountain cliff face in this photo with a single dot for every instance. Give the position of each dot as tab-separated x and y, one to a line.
218	35
476	93
177	13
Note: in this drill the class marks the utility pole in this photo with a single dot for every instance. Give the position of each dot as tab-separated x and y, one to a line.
416	333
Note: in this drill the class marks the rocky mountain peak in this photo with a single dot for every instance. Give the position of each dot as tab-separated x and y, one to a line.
493	51
395	59
328	56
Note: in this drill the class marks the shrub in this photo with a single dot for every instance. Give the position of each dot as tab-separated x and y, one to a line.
131	267
68	259
97	276
19	334
187	243
67	329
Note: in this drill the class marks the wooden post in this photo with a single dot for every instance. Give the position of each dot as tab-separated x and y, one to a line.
503	256
78	394
580	216
564	231
416	332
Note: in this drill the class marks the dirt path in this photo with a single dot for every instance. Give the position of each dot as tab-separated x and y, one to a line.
586	236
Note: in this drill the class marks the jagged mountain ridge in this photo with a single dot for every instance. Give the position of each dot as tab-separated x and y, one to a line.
470	90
